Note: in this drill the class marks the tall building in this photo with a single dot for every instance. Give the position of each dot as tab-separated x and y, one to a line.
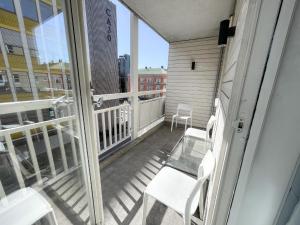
124	72
102	36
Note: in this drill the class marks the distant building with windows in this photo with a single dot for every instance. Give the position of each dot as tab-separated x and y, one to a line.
124	72
13	48
152	79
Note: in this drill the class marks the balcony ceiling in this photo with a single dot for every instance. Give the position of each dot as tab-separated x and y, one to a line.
178	20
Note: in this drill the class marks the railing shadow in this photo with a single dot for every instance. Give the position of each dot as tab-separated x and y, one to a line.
124	181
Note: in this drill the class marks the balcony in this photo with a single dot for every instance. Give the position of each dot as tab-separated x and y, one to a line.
127	165
69	132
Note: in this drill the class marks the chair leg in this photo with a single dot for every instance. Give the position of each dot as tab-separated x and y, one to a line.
186	220
191	121
172	124
51	218
145	204
176	121
185	124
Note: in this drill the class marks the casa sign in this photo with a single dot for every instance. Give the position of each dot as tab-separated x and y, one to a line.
108	23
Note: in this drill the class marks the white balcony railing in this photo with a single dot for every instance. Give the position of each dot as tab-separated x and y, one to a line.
114	126
115	123
26	131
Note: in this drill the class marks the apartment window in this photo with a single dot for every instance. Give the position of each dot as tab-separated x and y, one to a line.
34	52
16	78
29	9
14	50
57	81
10	49
7	5
46	11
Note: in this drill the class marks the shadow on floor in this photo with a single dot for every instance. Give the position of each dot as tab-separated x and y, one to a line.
124	181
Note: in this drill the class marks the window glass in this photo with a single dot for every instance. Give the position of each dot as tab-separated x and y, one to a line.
16	78
7	5
50	153
29	9
46	11
152	59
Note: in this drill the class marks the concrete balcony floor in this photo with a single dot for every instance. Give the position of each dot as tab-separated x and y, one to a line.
123	181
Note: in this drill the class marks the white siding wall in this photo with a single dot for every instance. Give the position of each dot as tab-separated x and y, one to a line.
231	55
194	87
229	72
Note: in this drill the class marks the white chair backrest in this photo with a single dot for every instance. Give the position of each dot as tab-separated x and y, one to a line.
217	102
209	126
184	109
207	166
205	170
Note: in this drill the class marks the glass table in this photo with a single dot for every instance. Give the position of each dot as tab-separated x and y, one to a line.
187	159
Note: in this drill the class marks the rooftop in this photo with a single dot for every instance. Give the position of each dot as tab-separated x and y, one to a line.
151	71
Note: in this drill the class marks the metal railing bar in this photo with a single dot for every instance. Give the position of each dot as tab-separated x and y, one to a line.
109	127
49	151
115	126
33	157
14	160
62	148
104	130
35	125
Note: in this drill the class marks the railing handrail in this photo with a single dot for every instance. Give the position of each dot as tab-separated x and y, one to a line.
111	108
152	99
114	96
22	106
35	125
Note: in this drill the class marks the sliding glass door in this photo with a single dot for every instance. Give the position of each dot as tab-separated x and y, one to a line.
44	113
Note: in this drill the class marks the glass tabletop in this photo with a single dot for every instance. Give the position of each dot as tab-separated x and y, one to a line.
188	158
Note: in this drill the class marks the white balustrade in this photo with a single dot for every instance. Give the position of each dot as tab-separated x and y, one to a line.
118	127
150	111
114	124
27	131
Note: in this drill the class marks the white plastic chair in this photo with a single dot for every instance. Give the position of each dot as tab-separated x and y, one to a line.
184	112
201	134
178	190
25	207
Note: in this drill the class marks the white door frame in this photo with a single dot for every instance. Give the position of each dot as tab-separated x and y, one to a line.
79	53
269	79
257	38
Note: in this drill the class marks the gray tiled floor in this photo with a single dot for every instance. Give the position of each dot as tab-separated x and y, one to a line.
124	181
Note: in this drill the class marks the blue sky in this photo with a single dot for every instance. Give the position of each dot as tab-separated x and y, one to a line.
153	49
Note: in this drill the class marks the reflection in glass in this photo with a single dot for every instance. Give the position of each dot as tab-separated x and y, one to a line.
39	143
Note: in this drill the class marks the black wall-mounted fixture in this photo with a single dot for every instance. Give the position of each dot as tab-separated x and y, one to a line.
193	65
225	32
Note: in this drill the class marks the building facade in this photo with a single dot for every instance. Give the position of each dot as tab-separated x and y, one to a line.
152	79
26	67
102	36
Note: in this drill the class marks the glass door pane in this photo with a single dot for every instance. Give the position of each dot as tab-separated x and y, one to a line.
41	156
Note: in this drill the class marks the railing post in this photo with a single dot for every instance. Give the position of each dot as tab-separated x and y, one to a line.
134	73
33	157
14	160
2	192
